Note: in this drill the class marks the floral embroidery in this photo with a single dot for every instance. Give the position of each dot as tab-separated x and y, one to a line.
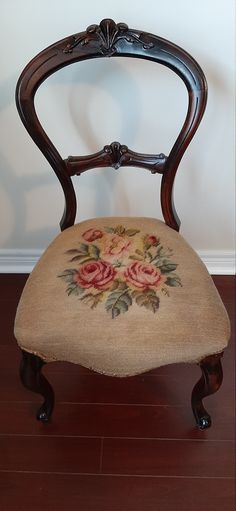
143	275
98	274
117	246
122	268
92	234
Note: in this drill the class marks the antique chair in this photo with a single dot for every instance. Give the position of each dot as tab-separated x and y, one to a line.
123	295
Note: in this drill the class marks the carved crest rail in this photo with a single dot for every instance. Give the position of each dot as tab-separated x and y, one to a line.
106	35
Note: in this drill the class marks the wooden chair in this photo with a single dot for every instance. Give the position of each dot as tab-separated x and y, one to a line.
124	295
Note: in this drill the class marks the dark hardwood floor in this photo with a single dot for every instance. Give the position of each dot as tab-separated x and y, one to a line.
113	444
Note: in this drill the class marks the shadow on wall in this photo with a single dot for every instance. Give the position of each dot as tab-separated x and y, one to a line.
200	188
18	235
14	187
116	81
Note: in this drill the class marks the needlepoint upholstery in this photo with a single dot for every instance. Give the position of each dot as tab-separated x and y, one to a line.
121	296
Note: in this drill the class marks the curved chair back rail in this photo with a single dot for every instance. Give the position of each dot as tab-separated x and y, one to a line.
113	40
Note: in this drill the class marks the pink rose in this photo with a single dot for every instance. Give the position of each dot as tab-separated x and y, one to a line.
98	274
92	234
151	240
117	246
143	275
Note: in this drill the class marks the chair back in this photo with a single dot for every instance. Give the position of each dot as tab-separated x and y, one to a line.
113	40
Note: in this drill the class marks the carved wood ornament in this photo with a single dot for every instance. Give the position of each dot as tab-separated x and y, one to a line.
109	39
115	155
106	35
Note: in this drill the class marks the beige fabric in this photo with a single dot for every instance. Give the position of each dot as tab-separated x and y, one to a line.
189	324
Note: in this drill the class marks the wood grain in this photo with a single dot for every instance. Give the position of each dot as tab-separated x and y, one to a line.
117	421
158	457
50	454
105	493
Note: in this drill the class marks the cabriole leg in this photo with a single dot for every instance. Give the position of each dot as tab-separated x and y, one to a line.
210	382
32	379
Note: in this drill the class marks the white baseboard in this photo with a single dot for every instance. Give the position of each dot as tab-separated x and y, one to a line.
18	261
218	262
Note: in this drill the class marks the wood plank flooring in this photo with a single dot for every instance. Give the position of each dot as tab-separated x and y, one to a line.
113	444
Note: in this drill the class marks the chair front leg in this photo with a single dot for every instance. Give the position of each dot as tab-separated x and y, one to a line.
209	383
32	379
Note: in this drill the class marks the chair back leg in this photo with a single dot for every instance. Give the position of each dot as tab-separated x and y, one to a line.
209	383
33	379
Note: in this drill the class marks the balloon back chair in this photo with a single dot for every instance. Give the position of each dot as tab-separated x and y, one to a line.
119	295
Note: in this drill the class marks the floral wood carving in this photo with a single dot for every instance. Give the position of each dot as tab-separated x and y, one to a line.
106	35
116	151
116	155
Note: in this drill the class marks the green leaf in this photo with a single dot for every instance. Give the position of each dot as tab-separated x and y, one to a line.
94	251
118	264
139	252
150	256
81	252
147	299
72	251
74	289
119	230
92	300
80	257
86	253
83	248
118	301
166	266
173	282
118	285
136	258
158	262
175	276
159	250
69	271
109	229
131	232
165	291
67	275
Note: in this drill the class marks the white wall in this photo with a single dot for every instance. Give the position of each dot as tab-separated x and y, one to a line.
137	103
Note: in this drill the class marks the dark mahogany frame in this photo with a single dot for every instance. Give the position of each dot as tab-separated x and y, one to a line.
115	40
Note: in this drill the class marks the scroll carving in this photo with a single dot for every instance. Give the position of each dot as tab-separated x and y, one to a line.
106	35
116	155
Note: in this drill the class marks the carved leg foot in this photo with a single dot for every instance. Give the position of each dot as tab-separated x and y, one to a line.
32	379
210	382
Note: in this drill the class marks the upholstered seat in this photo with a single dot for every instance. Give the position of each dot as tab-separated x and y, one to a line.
121	296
